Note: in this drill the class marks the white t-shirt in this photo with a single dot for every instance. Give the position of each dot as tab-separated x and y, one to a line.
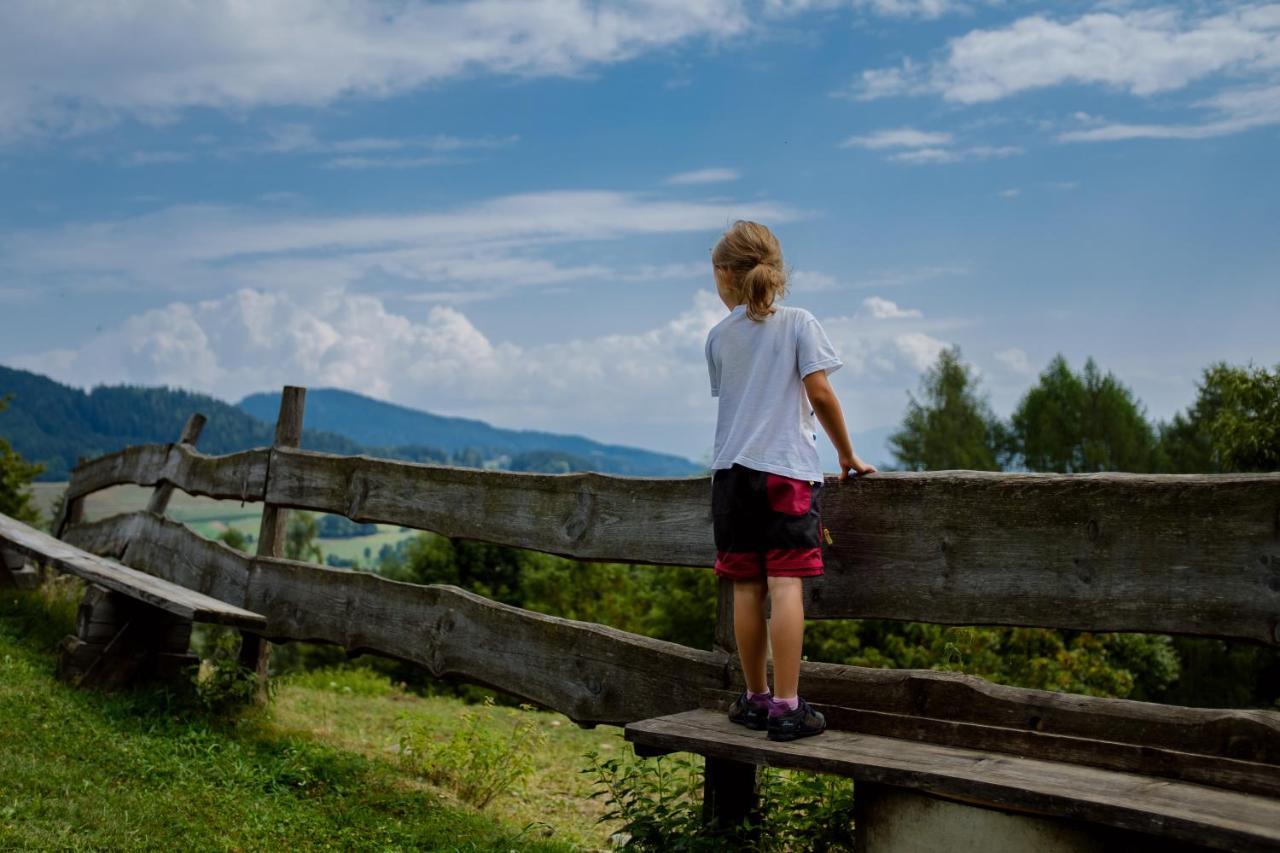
765	421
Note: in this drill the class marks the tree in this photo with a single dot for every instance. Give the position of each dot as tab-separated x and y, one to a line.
300	538
16	477
1082	423
951	426
234	538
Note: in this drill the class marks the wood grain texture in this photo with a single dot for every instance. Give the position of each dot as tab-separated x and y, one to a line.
190	435
588	516
1203	815
147	588
1172	554
1248	776
1246	735
235	476
1193	554
591	673
178	554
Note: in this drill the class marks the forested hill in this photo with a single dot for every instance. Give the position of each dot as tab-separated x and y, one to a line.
376	423
55	424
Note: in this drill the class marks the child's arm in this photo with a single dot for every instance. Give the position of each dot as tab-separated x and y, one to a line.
827	408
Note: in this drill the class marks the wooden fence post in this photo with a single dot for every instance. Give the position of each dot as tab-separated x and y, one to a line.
72	512
255	651
190	435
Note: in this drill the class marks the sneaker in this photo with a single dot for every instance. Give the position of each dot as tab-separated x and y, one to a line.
802	722
752	714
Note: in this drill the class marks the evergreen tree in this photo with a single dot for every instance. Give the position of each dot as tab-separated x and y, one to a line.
1081	423
951	426
16	476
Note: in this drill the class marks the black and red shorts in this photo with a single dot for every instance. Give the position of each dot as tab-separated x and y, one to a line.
765	525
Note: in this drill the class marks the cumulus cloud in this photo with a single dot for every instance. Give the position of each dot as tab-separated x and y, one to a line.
1143	52
65	71
648	387
921	349
884	309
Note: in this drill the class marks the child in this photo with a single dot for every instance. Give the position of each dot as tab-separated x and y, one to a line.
769	367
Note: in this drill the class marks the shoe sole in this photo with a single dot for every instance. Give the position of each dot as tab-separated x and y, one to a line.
759	727
788	736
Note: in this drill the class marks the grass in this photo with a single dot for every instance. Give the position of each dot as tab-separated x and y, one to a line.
315	771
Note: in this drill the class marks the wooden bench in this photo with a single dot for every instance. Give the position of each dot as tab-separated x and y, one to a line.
131	625
1198	814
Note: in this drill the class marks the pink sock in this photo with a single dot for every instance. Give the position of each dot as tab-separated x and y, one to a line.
759	698
778	707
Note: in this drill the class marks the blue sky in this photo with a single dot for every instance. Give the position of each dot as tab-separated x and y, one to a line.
504	209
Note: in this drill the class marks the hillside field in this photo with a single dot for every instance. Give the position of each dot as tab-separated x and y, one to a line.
209	517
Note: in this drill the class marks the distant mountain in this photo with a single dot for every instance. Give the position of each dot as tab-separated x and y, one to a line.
55	424
379	424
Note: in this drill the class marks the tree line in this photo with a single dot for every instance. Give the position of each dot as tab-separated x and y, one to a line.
1088	421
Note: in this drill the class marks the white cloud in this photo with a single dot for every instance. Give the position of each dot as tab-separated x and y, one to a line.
703	176
925	9
1016	360
442	362
487	247
903	137
919	147
920	349
1233	111
628	387
1010	193
884	309
1142	51
63	70
931	156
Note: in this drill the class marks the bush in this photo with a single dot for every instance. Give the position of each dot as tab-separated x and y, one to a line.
659	803
482	759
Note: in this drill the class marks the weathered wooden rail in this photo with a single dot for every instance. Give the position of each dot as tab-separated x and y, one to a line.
1195	555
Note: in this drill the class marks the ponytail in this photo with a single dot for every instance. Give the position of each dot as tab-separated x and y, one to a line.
753	257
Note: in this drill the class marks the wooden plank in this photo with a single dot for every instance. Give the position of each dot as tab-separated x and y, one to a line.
1246	735
1248	776
108	573
1197	813
1181	554
1194	554
588	516
173	551
190	435
234	476
1171	554
590	673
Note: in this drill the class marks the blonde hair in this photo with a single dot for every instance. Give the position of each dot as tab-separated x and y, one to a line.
753	258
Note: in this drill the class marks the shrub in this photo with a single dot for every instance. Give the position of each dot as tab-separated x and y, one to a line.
659	804
482	759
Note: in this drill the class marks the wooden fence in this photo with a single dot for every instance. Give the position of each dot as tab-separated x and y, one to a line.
1195	555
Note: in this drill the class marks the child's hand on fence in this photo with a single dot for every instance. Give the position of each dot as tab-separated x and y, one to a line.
853	463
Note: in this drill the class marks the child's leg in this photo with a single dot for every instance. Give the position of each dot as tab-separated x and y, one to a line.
749	631
786	629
